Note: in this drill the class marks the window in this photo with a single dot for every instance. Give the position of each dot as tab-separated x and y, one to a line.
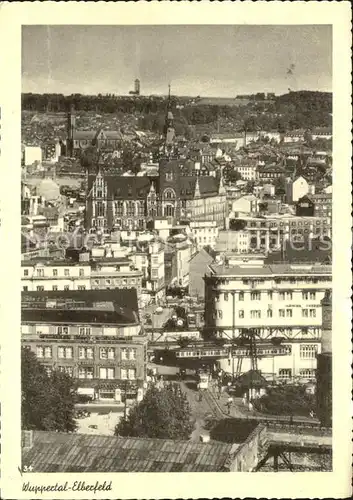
226	297
107	353
66	288
289	313
281	313
81	272
81	287
85	372
119	208
25	272
55	272
269	295
312	295
220	314
305	295
289	295
281	295
40	288
130	208
40	352
255	314
48	352
85	353
307	373
128	353
48	370
269	313
241	296
305	313
255	296
66	369
84	331
25	288
66	272
129	373
312	313
285	373
106	373
62	330
65	352
55	288
40	273
308	351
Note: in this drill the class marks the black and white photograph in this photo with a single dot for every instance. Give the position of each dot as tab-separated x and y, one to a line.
177	250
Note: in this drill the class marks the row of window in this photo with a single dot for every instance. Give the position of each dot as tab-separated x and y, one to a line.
287	223
55	288
40	272
104	373
280	295
286	373
86	352
256	314
129	208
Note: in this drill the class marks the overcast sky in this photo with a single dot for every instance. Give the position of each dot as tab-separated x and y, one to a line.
196	60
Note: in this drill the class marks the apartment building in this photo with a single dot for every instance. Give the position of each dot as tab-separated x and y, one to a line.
205	233
95	337
269	232
148	258
278	303
44	274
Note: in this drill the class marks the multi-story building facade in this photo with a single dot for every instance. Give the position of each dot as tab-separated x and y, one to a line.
233	241
277	303
94	337
131	202
315	205
44	274
205	233
115	272
248	171
270	232
295	189
149	260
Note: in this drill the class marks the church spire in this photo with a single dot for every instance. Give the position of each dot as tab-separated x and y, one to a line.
169	131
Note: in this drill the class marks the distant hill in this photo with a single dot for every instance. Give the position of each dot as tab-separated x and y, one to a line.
306	100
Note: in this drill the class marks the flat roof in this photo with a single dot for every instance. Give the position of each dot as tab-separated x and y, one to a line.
270	270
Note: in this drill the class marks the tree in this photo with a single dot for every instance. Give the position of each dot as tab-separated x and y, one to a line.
48	402
163	413
286	400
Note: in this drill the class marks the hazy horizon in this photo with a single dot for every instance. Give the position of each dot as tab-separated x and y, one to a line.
210	61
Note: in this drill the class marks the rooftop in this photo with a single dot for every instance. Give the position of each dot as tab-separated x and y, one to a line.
82	315
125	298
271	270
60	452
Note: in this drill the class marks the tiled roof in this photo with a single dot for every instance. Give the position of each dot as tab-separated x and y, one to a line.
60	452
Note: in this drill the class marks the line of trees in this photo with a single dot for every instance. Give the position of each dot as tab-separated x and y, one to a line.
304	109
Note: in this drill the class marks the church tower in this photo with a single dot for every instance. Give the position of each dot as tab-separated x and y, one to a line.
71	124
169	131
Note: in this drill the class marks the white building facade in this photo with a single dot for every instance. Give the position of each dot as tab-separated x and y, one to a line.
205	233
277	302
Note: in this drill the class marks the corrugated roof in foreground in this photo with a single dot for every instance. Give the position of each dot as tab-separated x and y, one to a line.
60	452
